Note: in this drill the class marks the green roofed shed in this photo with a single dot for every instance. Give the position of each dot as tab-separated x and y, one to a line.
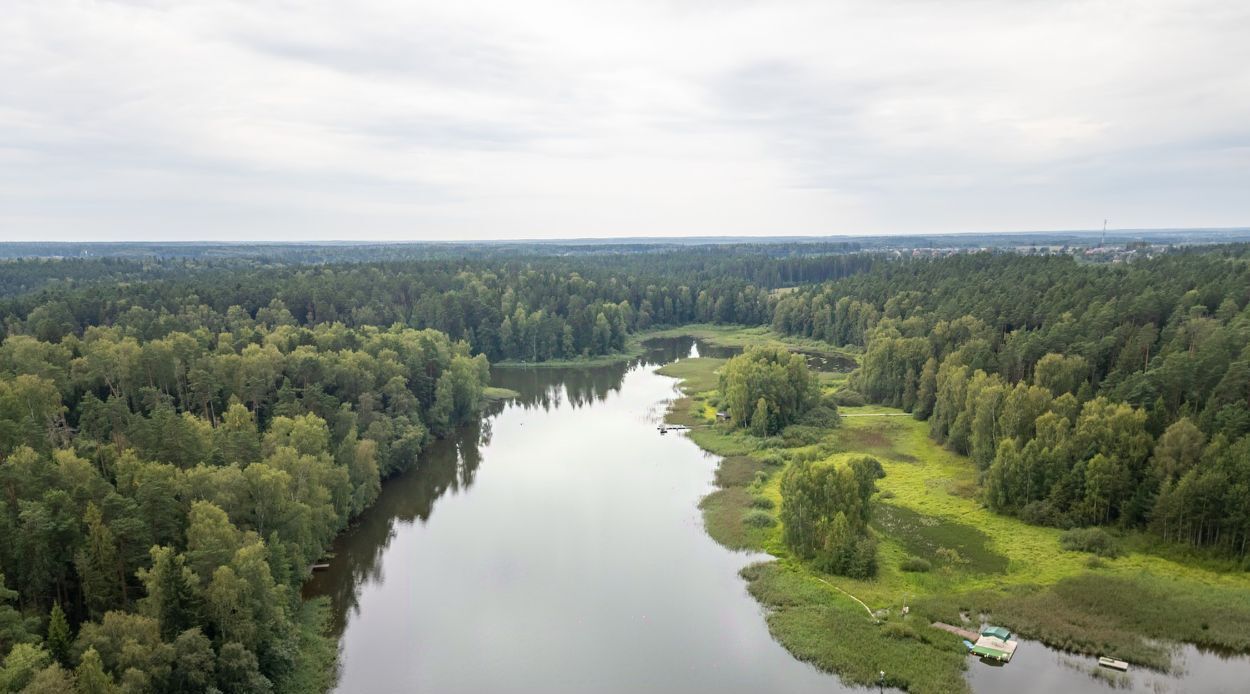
1001	633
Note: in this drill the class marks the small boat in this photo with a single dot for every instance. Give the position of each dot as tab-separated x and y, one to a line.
1112	663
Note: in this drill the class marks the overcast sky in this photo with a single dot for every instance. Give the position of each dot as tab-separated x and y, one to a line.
380	119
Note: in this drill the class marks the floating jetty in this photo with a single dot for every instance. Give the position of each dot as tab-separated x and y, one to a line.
1112	663
993	642
665	428
994	649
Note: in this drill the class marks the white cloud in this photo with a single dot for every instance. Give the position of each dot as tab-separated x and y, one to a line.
234	119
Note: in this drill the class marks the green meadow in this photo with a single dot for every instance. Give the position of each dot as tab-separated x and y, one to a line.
942	554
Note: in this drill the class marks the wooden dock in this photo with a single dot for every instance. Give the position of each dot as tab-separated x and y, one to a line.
964	633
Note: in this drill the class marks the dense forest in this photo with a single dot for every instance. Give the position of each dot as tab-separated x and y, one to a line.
166	496
529	309
183	433
1086	394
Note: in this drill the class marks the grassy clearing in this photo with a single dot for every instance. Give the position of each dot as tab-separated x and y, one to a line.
698	375
980	563
493	393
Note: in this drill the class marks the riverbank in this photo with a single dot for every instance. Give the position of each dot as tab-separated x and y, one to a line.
942	554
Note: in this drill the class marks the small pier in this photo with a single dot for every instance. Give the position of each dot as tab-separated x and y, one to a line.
963	633
665	428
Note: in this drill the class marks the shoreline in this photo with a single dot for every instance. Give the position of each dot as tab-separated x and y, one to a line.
1001	566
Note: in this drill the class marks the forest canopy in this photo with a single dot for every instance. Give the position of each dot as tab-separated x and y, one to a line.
166	496
183	432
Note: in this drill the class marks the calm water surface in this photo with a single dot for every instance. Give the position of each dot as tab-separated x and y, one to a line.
558	547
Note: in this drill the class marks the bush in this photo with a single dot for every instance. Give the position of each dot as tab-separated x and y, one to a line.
899	630
1093	540
1042	513
762	502
797	435
849	398
916	565
951	556
771	458
822	416
759	519
885	494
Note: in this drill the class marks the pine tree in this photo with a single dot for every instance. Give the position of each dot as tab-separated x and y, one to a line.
98	566
59	639
90	677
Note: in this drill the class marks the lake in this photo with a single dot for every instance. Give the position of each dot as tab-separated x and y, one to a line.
558	547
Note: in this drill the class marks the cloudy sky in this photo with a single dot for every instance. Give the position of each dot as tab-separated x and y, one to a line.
392	119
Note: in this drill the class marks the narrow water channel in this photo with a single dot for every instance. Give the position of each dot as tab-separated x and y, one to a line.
558	547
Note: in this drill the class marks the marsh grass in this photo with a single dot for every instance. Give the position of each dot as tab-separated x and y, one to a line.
916	565
757	518
725	514
1131	618
822	627
1128	608
926	537
738	471
698	375
495	393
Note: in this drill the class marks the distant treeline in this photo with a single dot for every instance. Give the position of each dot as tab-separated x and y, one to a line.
1087	394
531	309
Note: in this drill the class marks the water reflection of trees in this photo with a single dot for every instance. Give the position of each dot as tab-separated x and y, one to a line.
447	465
580	386
451	465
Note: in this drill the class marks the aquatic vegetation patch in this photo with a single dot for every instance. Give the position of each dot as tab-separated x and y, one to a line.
725	516
940	541
738	471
